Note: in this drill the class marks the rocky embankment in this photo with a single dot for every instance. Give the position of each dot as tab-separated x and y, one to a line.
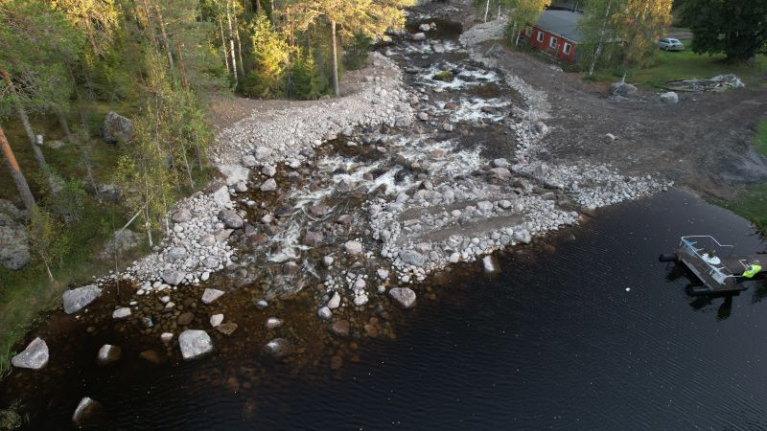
440	158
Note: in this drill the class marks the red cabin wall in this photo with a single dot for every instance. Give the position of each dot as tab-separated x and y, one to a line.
543	45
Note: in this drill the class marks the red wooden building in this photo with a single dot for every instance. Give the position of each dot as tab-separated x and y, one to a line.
556	34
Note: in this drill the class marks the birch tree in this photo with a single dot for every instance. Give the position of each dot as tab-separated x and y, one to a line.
525	12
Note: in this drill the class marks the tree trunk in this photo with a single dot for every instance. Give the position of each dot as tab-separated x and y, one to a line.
38	153
235	71
487	9
519	34
149	24
239	44
18	177
598	51
336	88
182	66
164	34
223	38
63	123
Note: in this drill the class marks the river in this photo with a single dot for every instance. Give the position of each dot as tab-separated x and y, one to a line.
553	341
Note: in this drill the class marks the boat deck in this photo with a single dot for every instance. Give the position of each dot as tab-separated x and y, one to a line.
703	271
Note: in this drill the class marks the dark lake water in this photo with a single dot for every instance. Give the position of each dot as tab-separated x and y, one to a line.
555	341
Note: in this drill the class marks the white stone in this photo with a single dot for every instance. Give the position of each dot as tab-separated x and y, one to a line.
335	301
34	357
216	320
121	313
405	297
194	343
324	313
210	295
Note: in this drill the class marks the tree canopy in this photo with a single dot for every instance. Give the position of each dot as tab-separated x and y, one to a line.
737	28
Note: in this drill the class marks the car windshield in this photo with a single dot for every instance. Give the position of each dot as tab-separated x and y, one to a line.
674	41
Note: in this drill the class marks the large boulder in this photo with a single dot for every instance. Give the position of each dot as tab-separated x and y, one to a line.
120	243
669	98
34	357
194	343
174	278
623	89
14	245
117	128
234	173
231	219
77	299
404	296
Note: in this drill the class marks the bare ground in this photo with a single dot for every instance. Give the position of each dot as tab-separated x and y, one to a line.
703	143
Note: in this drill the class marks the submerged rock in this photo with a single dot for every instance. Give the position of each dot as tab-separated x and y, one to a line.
34	357
405	297
79	298
278	348
340	328
194	343
210	295
108	354
85	410
227	328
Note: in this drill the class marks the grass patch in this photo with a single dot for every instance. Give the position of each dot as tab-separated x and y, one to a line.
25	294
445	75
761	137
751	203
673	66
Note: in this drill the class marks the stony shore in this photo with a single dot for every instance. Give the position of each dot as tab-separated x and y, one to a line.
355	198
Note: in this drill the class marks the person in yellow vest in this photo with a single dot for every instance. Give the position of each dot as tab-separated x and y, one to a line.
752	270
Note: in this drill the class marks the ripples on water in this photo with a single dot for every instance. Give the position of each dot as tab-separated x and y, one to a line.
552	342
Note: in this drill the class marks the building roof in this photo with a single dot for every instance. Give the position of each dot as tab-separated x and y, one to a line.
561	22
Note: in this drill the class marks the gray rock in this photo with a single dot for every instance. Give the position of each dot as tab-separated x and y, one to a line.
423	116
501	163
404	122
194	343
269	185
313	239
324	313
181	216
335	301
175	254
210	295
221	197
500	173
207	240
34	357
419	36
670	98
623	89
14	246
448	127
77	299
522	236
269	170
86	408
120	243
262	153
278	348
405	297
249	161
485	206
174	278
121	313
273	323
216	320
353	247
234	174
412	257
231	219
541	127
117	128
108	354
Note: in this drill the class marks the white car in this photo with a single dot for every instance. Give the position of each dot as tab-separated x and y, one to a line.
669	44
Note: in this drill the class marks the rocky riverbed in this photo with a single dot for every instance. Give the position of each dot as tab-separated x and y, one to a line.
348	205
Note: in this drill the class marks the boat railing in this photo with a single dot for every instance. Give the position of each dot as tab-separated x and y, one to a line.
716	272
691	244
